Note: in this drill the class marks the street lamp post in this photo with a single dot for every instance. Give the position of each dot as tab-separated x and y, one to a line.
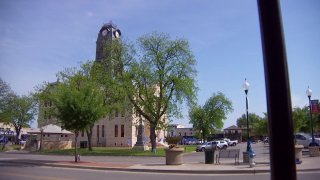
250	152
309	94
246	89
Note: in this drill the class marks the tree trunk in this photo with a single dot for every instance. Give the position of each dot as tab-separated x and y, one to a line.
17	134
89	135
75	146
153	138
41	139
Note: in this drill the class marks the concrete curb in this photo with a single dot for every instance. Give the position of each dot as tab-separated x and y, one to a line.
171	171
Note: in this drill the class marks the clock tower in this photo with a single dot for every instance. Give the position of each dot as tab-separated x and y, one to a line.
107	33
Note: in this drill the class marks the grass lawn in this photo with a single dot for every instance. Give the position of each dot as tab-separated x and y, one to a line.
9	147
112	151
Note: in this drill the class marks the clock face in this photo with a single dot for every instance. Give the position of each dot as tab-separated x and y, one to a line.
104	32
117	34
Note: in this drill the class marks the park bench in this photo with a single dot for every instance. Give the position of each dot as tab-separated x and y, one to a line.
228	153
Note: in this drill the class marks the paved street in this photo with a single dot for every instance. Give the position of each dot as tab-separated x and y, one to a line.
22	172
19	165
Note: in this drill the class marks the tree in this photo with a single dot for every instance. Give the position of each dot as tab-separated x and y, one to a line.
301	119
197	118
260	128
210	117
78	90
21	110
79	103
159	78
6	96
253	118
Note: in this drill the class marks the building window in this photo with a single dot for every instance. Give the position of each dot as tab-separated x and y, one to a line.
97	130
82	133
122	114
61	135
65	135
116	113
122	130
102	129
185	134
116	131
137	130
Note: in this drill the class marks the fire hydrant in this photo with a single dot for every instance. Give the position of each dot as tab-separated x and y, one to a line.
251	155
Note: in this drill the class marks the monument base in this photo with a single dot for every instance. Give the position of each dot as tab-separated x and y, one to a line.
140	147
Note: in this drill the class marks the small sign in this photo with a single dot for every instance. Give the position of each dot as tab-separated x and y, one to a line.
315	109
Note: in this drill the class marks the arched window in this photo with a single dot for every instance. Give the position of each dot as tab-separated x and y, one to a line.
116	131
98	131
102	129
122	130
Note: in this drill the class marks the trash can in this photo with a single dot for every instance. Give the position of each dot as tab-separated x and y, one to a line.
209	156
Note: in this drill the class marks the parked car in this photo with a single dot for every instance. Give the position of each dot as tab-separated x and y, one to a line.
3	140
206	146
22	142
306	139
190	141
222	144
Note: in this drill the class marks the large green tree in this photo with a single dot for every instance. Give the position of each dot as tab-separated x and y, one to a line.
260	128
197	118
6	96
253	118
20	111
301	119
78	98
79	103
159	78
210	117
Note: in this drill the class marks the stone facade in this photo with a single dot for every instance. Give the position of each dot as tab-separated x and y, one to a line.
118	130
52	136
179	130
45	111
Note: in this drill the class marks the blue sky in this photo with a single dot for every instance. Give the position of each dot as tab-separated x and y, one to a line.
39	38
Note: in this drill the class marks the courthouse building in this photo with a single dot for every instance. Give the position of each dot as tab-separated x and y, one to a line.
119	128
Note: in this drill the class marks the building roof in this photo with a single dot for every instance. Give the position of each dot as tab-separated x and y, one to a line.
49	129
233	127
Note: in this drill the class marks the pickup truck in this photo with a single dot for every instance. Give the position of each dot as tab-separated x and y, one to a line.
231	142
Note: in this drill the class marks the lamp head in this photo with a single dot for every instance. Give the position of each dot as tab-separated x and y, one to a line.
246	86
309	92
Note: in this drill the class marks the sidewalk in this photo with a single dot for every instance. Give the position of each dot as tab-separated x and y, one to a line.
155	165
